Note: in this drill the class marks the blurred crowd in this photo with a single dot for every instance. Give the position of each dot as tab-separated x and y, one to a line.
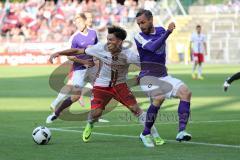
41	21
231	6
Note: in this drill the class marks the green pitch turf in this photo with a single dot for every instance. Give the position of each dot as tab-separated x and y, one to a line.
25	96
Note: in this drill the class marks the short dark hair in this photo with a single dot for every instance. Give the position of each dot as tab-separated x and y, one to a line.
198	26
147	13
118	32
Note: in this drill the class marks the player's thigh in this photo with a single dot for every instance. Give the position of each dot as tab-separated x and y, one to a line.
200	58
100	97
196	57
79	78
91	74
124	95
183	93
155	87
175	83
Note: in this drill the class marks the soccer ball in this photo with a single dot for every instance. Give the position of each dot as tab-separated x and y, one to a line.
41	135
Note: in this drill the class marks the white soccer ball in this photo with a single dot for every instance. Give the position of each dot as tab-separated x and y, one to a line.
41	135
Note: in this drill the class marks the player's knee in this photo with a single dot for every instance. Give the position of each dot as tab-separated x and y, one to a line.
75	98
184	93
158	100
76	90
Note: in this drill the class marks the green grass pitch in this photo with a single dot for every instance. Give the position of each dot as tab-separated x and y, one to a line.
25	96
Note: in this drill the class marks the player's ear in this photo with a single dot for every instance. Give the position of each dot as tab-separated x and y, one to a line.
120	42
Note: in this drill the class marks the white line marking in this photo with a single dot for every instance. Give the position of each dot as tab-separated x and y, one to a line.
171	141
159	123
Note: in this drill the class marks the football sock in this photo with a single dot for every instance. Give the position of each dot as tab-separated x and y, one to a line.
150	118
61	97
200	71
194	68
66	103
183	114
142	119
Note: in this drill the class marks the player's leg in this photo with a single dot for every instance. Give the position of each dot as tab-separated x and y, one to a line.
173	87
125	96
201	60
94	114
89	77
101	97
78	83
156	90
63	94
83	93
151	116
181	91
195	63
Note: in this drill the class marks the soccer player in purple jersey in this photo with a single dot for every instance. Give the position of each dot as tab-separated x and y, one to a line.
83	38
154	78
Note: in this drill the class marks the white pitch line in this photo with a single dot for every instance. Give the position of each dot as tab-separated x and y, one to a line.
163	123
171	141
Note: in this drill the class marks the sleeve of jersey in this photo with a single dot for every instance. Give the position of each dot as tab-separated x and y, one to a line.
133	58
93	50
152	46
73	43
96	39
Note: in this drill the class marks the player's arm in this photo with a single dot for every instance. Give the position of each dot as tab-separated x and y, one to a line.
67	52
205	47
155	45
191	45
87	62
229	80
133	58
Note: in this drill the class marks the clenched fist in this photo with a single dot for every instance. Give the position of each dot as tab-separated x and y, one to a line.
171	26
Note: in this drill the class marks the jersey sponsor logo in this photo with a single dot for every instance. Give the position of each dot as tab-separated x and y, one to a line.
150	85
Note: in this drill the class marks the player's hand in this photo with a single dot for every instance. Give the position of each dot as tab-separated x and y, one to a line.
88	63
225	86
71	58
171	26
52	57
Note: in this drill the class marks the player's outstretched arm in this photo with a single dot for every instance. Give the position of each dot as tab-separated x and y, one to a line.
155	45
86	63
229	80
67	52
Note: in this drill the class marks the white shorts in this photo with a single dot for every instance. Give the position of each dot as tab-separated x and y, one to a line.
81	77
155	86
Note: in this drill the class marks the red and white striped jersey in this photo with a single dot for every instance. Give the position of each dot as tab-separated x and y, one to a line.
113	69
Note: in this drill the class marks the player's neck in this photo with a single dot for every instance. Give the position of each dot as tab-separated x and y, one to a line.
152	30
115	53
85	30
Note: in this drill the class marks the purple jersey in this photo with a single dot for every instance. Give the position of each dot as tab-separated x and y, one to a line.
152	52
81	40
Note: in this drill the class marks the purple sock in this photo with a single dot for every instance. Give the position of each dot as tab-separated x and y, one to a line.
183	114
66	103
150	118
